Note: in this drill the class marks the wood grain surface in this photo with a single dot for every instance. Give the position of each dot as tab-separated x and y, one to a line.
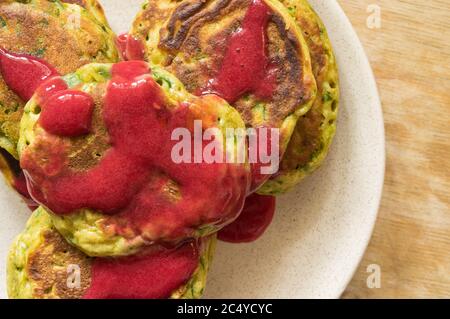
410	55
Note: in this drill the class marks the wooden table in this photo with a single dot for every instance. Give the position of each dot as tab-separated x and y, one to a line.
410	55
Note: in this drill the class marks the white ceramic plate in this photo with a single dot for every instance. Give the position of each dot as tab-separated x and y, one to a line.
321	230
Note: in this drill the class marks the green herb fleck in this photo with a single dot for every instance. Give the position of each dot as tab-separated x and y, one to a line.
292	11
327	96
2	22
39	52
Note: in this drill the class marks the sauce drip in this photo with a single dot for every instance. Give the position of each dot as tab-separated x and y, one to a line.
50	87
252	223
245	67
130	47
153	276
67	113
24	73
132	180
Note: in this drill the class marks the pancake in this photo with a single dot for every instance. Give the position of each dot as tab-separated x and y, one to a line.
117	187
49	30
41	262
192	38
315	131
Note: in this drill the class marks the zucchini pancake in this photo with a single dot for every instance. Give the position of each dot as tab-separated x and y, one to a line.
315	131
64	34
250	52
190	39
42	265
97	147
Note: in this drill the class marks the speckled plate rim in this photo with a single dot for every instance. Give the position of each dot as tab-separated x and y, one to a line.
382	140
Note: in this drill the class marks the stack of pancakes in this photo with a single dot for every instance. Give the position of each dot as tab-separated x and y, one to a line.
184	44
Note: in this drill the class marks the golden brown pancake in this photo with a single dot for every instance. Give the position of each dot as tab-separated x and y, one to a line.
314	132
172	210
49	30
190	39
41	265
